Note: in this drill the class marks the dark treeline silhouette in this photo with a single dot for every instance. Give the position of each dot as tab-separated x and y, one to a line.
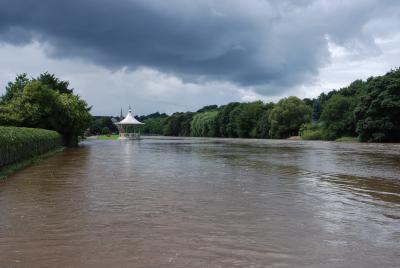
369	110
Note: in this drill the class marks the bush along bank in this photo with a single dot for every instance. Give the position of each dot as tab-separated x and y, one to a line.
19	144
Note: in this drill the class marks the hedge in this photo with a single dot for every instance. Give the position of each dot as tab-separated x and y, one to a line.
19	143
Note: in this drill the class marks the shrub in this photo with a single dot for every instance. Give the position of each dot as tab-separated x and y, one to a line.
19	143
312	132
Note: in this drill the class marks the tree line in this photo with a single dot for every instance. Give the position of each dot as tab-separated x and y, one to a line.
368	110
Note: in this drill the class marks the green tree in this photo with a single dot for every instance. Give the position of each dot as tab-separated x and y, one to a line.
178	124
287	116
39	106
204	124
143	118
155	125
208	108
15	88
244	119
378	112
356	88
308	102
54	83
96	126
223	119
263	124
33	107
232	125
73	118
338	117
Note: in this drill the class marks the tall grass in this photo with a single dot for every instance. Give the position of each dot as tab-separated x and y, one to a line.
18	143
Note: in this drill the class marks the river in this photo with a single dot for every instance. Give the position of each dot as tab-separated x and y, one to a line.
205	203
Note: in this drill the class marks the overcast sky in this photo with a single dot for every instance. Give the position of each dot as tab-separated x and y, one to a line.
180	55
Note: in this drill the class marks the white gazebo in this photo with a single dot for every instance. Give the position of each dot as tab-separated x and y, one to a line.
129	127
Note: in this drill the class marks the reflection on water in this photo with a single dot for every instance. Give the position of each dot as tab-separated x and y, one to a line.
205	203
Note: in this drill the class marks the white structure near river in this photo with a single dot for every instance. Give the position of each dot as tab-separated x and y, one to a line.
129	127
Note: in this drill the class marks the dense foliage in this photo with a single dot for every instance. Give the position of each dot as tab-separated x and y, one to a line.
102	125
338	116
367	109
287	116
204	124
234	120
178	124
378	111
18	144
45	102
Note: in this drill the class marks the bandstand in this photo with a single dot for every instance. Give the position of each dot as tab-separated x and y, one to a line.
129	127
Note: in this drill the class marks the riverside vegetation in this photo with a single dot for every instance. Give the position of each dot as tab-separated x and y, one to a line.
45	102
365	110
25	144
37	117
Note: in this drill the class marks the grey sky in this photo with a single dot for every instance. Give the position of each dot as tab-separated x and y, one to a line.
180	55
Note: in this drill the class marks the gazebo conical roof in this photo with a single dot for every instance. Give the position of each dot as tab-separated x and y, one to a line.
129	120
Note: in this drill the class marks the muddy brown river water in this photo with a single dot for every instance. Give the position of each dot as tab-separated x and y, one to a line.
205	203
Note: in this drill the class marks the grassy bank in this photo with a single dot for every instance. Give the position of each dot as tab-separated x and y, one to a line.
107	137
19	146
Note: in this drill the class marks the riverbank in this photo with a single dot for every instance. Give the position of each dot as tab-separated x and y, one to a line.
292	138
20	147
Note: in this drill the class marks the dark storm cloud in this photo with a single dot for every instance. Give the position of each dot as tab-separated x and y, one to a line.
266	44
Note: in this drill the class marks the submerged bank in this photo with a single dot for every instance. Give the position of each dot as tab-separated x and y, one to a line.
12	168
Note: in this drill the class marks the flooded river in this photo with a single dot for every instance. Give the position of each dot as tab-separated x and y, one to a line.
205	203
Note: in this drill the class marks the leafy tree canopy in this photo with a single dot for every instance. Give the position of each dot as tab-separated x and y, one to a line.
287	116
378	112
204	124
54	83
32	103
208	108
14	88
338	116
